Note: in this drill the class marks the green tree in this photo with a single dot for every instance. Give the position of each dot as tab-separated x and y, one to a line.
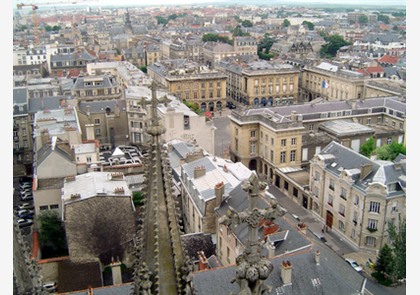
383	18
310	25
48	28
384	265
389	152
247	24
143	69
266	44
363	19
51	231
137	198
239	32
335	41
368	147
161	20
398	245
56	28
210	37
285	23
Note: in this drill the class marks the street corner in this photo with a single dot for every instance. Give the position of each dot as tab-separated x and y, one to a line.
365	260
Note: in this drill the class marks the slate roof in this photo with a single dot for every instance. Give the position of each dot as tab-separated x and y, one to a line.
20	101
100	106
46	150
345	128
238	200
74	276
332	276
383	172
47	103
198	242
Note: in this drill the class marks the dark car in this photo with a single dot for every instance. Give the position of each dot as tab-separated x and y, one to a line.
230	105
25	179
25	222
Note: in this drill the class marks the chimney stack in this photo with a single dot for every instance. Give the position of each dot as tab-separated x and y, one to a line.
286	272
219	191
317	257
271	250
199	171
116	272
365	169
293	116
202	263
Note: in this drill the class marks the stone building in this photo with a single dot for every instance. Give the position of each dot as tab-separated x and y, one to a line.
260	83
356	197
192	82
331	82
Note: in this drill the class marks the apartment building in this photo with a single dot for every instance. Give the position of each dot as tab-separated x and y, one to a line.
62	64
97	87
192	82
204	182
245	45
356	197
260	83
152	54
214	52
268	139
331	82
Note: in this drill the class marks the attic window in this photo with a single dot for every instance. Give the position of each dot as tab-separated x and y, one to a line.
333	164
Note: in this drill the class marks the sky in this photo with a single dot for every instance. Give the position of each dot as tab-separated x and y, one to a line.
179	2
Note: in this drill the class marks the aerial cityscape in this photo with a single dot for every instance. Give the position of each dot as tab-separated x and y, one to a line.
209	147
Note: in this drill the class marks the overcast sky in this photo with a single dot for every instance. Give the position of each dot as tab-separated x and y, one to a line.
162	2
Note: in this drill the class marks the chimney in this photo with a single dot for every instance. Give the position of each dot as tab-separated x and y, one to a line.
365	169
293	116
219	191
45	137
199	171
116	271
317	257
202	263
271	250
286	272
269	228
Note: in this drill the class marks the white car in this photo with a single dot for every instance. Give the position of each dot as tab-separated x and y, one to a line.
24	222
25	206
354	264
50	287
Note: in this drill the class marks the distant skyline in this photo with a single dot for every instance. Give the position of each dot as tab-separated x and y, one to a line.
187	2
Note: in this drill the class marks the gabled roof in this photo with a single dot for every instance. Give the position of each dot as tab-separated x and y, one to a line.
388	59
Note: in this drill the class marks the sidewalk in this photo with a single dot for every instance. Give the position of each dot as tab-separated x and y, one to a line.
315	226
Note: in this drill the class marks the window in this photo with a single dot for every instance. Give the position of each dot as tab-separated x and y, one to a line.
293	141
253	133
356	200
283	142
379	120
272	141
355	217
369	121
236	131
330	200
393	124
286	185
54	206
374	207
304	154
331	186
317	176
311	127
252	147
89	159
341	225
343	193
394	207
389	140
272	156
316	191
42	208
353	233
295	192
342	210
293	156
370	241
372	224
283	157
25	143
97	131
23	131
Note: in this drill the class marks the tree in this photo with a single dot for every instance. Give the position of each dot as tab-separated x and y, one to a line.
48	28
143	69
310	25
247	24
161	20
384	264
285	23
335	41
238	32
51	231
363	19
137	198
390	151
368	147
56	28
383	18
210	37
266	44
398	244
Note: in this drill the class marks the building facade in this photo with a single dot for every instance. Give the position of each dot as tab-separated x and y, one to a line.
356	197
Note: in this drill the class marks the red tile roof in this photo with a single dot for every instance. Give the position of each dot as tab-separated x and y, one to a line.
388	59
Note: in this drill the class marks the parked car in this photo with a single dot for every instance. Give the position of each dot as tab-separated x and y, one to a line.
50	287
354	264
24	222
25	179
230	105
25	216
25	185
321	237
25	211
27	197
25	190
26	205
